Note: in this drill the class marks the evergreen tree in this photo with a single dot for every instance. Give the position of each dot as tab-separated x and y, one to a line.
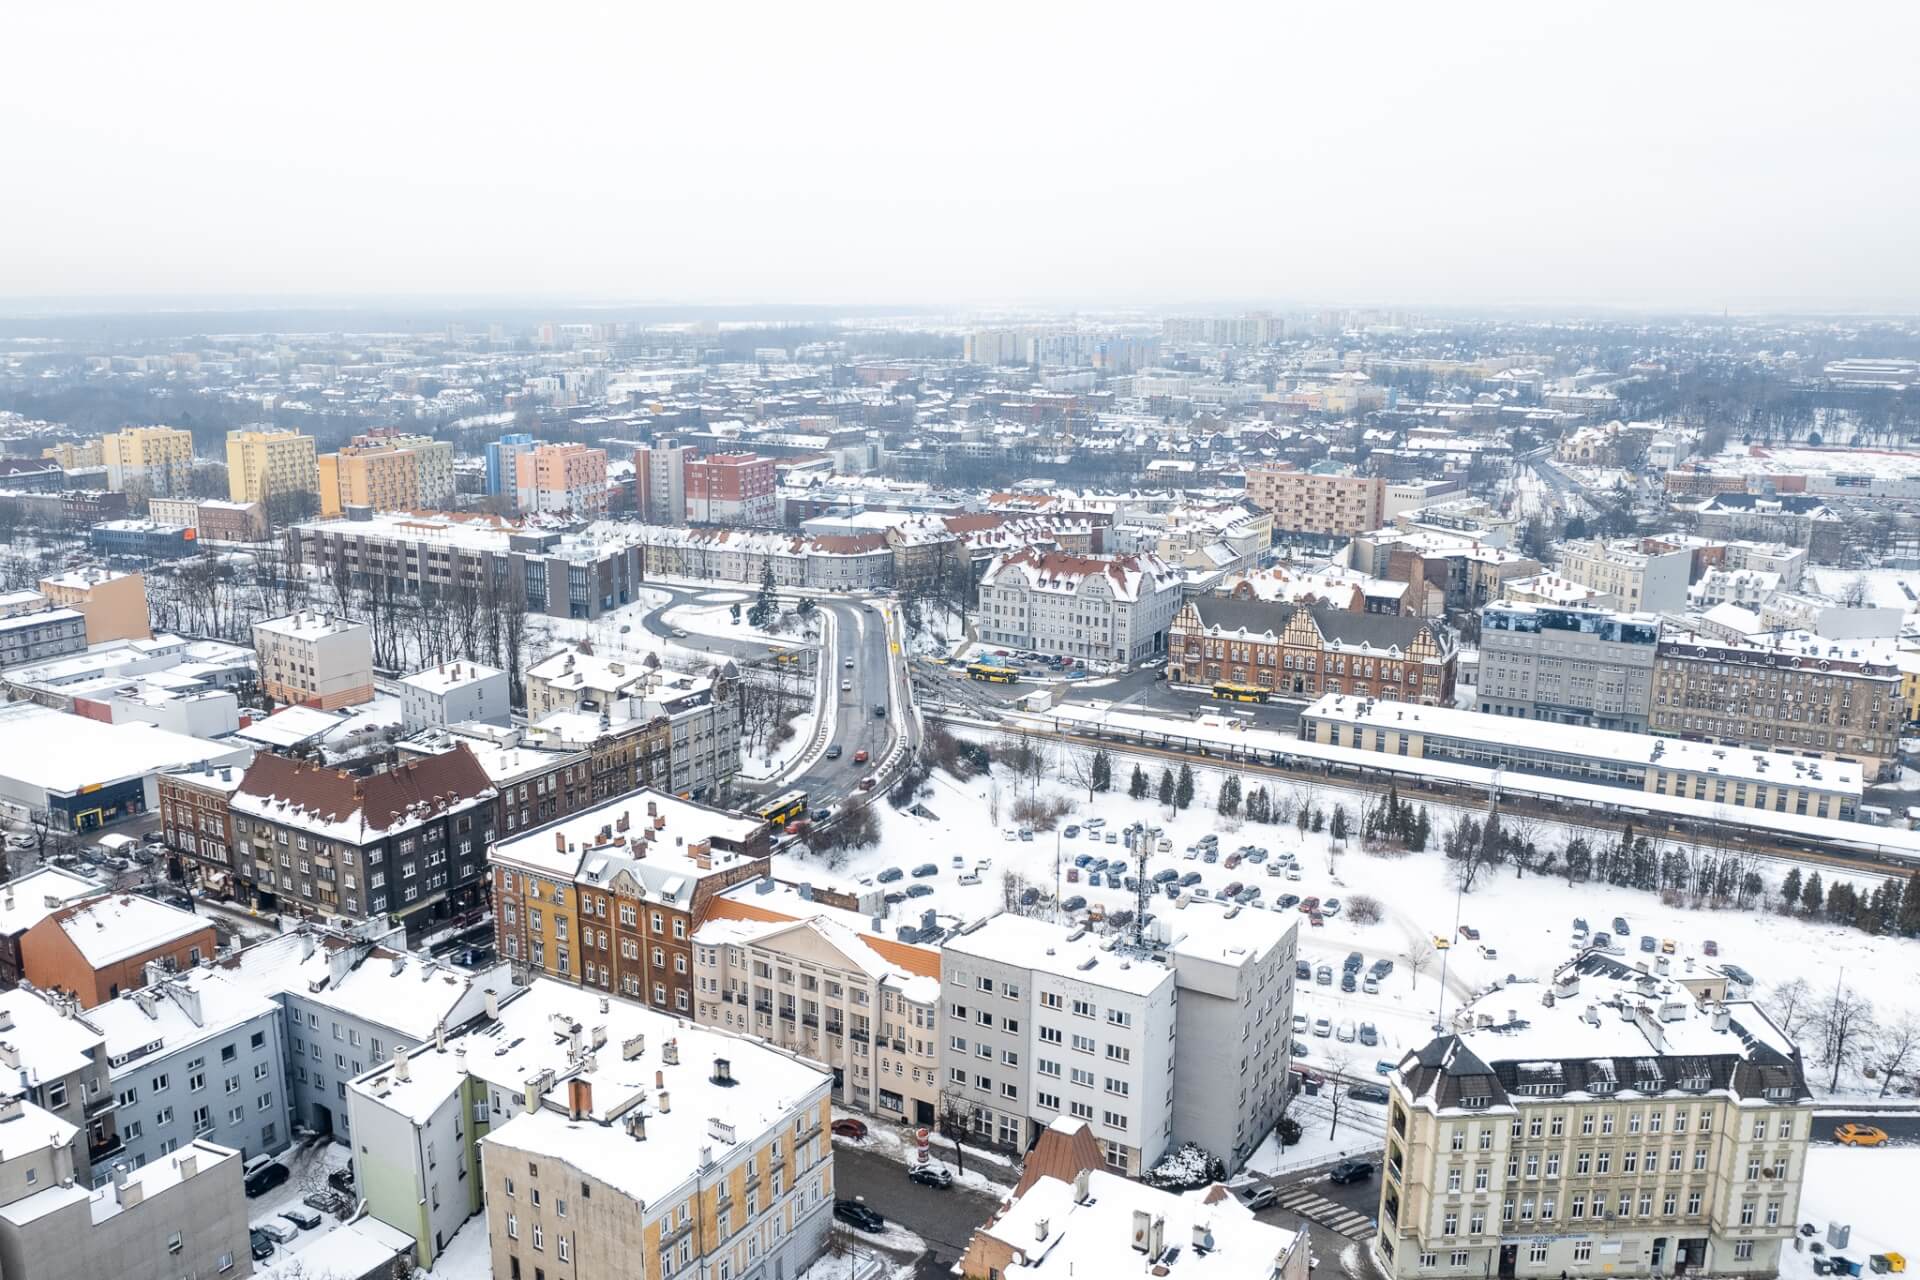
1910	907
1229	801
1166	787
1420	831
1319	821
1790	889
1137	785
1814	896
1339	830
1102	770
1259	808
1183	789
765	607
1301	818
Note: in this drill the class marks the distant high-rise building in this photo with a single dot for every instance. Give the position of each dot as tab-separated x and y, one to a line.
500	456
660	481
263	466
561	477
389	472
995	346
156	461
730	488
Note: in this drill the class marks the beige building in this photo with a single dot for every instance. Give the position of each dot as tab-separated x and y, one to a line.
1329	505
864	1005
1791	692
75	455
387	473
315	660
1622	1120
114	604
157	461
266	465
1641	577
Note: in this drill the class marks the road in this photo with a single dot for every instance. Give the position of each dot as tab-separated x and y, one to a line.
1901	1127
944	1219
717	642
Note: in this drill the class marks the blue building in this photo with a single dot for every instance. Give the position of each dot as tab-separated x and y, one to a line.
142	539
500	456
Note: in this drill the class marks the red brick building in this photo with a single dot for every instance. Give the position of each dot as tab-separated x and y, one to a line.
98	947
197	819
730	488
1307	650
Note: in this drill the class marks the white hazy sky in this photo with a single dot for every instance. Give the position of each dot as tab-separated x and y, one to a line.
1666	155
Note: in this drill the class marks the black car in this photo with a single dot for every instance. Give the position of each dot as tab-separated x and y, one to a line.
926	869
1367	1093
264	1179
1029	896
1353	962
341	1179
1381	968
1346	981
833	751
1075	903
858	1216
920	890
1303	970
262	1244
879	711
1286	902
1620	926
890	874
931	1175
1350	1171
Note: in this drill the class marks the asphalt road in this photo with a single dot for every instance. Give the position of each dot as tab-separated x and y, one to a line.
718	642
860	638
944	1219
1142	690
1902	1126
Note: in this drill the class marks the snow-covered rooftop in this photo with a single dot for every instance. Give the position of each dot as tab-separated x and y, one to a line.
1067	953
307	626
649	836
62	753
33	897
449	676
51	1045
116	926
184	1008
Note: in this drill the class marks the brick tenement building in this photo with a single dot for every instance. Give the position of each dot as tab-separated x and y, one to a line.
98	947
197	819
730	488
1308	650
610	898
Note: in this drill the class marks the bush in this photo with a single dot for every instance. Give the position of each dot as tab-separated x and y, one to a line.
1289	1130
1040	813
1364	908
851	828
1185	1169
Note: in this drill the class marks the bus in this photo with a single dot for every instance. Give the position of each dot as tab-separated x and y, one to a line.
783	809
988	671
1224	692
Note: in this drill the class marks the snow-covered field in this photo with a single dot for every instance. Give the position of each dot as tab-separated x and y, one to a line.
1870	1190
1524	920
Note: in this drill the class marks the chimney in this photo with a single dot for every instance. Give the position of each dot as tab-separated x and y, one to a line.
120	1171
579	1098
722	1071
633	1047
9	1056
666	1102
622	822
400	1063
604	1006
1157	1237
1142	1223
440	1036
1080	1185
653	810
560	841
659	1079
670	1053
1202	1237
493	1006
127	1192
11	1108
702	854
189	1164
306	945
637	1125
1040	1229
1721	1017
460	1058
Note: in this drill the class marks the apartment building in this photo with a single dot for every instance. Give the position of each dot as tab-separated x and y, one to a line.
660	481
61	1077
49	633
1568	665
196	817
579	699
183	1215
269	467
500	473
1098	608
569	478
1682	769
406	840
113	603
155	461
611	897
454	693
219	520
561	575
1625	1119
1641	576
96	947
194	1056
1312	649
387	472
315	660
730	488
1326	504
865	1006
1791	692
72	455
536	784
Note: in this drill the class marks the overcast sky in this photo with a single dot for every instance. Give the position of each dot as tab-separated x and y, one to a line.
1660	155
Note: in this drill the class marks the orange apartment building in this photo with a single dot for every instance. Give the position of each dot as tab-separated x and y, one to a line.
97	947
114	604
730	488
561	477
1332	505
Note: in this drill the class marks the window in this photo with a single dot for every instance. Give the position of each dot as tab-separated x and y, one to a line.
1450	1225
1583	1251
1743	1250
1428	1260
1458	1258
513	1226
1537	1251
1458	1142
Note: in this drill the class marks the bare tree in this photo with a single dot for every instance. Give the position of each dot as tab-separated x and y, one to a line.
953	1116
1076	767
1842	1021
1893	1050
1339	1067
1418	955
1790	1005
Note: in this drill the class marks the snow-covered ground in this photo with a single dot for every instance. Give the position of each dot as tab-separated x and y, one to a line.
988	1172
1361	1131
717	620
1525	920
468	1256
1868	1189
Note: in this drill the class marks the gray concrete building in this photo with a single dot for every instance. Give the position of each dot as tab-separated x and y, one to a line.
56	1062
1568	665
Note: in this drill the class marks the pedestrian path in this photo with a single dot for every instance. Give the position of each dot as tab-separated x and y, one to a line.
1314	1207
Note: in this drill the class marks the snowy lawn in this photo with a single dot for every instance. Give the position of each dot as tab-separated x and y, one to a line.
1361	1131
1869	1189
988	1172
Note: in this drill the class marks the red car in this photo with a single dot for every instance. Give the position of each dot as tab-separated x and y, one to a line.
1310	906
1316	920
1470	933
860	756
848	1127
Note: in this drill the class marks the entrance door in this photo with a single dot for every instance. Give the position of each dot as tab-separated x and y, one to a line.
1659	1253
1509	1255
922	1111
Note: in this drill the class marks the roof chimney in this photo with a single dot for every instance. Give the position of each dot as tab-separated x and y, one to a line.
633	1047
670	1053
637	1125
579	1098
1721	1017
493	1005
1040	1229
666	1102
400	1063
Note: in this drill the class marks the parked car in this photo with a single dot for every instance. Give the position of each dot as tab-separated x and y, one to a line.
1371	986
1322	1028
1369	1035
1209	855
263	1178
1579	924
931	1175
341	1179
1620	926
889	875
1353	961
1286	902
1367	1093
1860	1135
1309	905
1113	837
1232	890
1072	831
261	1242
920	889
1075	903
1261	1197
1470	933
305	1219
1274	869
1165	874
1381	967
926	869
325	1201
1302	970
1191	877
849	1127
1647	943
1711	947
1300	1049
1345	1033
279	1228
1299	1024
1668	946
1350	1170
1347	983
1738	974
1293	873
858	1216
1324	975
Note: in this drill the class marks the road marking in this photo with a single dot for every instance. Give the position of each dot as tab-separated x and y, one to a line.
1317	1208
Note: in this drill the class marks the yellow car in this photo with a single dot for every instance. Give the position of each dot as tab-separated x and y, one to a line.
1440	943
1859	1135
1668	946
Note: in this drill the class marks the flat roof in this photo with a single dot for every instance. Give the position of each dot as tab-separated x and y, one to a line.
1046	947
62	753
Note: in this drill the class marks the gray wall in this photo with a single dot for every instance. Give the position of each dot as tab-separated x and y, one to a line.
166	1117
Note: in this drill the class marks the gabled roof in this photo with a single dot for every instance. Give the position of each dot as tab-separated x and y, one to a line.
360	809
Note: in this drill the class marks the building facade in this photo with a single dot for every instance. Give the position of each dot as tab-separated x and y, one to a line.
1323	504
196	817
730	488
393	472
1643	578
156	461
567	478
1098	608
660	482
1570	665
114	604
268	466
636	719
50	633
1306	651
95	948
500	473
312	659
454	693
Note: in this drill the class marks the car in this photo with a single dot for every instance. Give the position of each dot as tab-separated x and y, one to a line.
846	686
1232	860
1353	962
1113	838
890	874
1604	941
1384	1067
894	897
304	1218
1579	924
1209	855
1322	1028
1345	1033
1072	831
1299	1023
1316	920
1371	986
920	889
1075	903
325	1201
1302	970
1232	890
1324	975
1249	895
1367	1093
678	634
926	869
1094	824
1860	1135
1331	907
1275	869
1668	946
1347	983
931	1175
1369	1034
264	1178
1029	896
1350	1170
1309	905
1256	855
1300	1049
879	711
833	751
1380	968
1173	888
1286	902
1489	953
1165	874
281	1230
1191	877
1738	974
1711	947
1261	1197
1470	933
1082	860
848	1127
1620	926
1293	873
261	1242
859	1217
1441	942
848	664
1093	878
1026	833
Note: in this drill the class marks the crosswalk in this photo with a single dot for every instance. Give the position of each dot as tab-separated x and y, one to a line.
1314	1207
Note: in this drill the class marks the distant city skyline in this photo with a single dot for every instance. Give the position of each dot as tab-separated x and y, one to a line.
1066	155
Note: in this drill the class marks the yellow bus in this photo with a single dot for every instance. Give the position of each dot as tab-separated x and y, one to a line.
1224	692
783	809
987	671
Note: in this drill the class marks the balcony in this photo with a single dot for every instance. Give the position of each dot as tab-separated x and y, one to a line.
809	1020
763	1006
787	1015
106	1150
101	1103
836	1028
